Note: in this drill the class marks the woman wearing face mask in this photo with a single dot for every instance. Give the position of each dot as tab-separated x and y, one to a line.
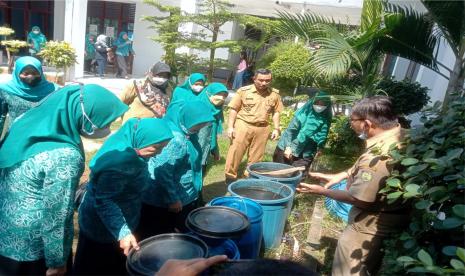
190	88
306	133
110	210
149	97
101	54
123	50
41	161
27	88
176	173
214	95
36	41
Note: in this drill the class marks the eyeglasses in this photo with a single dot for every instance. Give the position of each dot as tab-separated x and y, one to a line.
84	114
359	119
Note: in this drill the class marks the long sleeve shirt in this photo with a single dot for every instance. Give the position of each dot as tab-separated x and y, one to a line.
111	206
13	106
37	206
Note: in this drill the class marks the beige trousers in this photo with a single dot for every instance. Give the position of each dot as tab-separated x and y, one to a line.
248	138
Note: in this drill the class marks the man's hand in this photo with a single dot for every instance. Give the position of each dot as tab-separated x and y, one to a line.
288	153
330	179
275	134
127	243
56	271
231	133
310	188
175	207
191	267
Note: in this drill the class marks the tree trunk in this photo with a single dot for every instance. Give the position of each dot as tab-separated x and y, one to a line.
456	81
211	64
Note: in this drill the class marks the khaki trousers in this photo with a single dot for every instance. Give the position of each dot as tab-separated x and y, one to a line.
357	253
248	138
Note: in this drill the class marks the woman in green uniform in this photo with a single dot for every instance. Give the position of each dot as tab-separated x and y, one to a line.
41	161
190	88
36	40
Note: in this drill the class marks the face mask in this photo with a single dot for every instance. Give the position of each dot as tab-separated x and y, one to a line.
217	100
158	81
96	133
36	32
31	80
363	136
197	88
319	108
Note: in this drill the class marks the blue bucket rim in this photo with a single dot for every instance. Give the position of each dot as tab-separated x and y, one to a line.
252	201
273	177
274	201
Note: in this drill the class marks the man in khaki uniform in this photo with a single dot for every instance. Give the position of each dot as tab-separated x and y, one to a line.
248	124
371	218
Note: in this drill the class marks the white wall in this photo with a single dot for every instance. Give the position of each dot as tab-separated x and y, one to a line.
59	20
147	51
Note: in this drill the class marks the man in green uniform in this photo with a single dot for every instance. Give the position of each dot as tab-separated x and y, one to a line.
371	218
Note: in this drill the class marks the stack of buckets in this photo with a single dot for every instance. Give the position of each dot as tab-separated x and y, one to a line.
267	215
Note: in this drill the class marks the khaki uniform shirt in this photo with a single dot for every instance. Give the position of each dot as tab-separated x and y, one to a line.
137	109
255	108
366	178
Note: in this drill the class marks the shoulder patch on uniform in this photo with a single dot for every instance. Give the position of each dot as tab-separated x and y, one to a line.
367	176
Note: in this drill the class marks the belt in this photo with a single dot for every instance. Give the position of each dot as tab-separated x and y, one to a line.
262	124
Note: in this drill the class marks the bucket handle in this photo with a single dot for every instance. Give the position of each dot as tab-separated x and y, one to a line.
245	204
280	190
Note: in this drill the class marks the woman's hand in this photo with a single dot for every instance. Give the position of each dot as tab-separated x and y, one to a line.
191	267
127	243
329	179
175	207
56	271
310	188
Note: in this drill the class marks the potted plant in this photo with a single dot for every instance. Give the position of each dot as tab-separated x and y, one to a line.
12	48
59	54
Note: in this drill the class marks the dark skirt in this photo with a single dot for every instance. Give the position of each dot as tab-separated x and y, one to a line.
12	267
296	161
94	258
156	220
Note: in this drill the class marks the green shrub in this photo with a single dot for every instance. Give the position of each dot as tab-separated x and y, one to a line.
342	140
59	54
429	175
407	97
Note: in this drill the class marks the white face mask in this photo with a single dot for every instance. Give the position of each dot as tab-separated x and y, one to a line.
159	80
197	88
363	136
36	32
217	100
319	108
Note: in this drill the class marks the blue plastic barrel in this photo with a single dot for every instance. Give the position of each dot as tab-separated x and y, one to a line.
276	200
224	247
292	179
249	244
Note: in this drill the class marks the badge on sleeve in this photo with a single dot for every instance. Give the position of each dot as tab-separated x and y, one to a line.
367	176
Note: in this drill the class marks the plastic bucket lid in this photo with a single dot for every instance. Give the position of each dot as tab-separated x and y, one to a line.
250	208
156	250
255	188
256	168
217	222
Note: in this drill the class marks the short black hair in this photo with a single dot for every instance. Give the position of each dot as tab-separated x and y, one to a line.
262	71
378	109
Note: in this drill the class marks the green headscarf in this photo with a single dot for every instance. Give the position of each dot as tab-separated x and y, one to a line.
90	48
217	111
118	152
181	118
307	111
37	39
56	122
184	91
29	93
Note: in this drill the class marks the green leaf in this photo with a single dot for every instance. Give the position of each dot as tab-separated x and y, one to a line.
394	195
406	259
454	153
409	161
412	188
449	250
417	169
450	223
393	182
423	204
457	264
461	253
439	140
452	177
425	258
409	244
459	210
435	189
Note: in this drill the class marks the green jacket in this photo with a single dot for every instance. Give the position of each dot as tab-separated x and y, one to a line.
308	129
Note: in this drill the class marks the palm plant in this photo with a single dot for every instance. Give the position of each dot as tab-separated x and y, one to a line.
360	50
